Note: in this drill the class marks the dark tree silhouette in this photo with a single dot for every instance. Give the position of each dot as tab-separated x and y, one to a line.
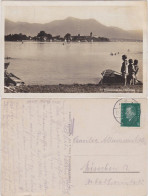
67	37
16	37
41	33
49	36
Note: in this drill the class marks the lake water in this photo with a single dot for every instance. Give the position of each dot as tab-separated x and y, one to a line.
55	63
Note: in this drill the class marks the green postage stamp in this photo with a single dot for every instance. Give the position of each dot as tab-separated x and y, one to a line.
130	114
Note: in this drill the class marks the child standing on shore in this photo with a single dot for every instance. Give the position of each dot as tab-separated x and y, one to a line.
131	71
136	67
124	69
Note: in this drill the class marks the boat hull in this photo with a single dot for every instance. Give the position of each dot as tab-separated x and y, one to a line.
11	79
112	77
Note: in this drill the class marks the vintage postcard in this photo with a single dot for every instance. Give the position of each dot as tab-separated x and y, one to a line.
74	147
67	49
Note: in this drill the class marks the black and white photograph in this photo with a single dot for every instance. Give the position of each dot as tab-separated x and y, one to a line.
74	49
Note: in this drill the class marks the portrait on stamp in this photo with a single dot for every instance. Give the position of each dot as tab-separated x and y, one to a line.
130	114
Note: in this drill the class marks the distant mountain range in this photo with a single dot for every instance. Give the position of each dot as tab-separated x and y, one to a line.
73	26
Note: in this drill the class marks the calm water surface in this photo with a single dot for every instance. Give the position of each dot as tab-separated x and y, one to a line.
55	63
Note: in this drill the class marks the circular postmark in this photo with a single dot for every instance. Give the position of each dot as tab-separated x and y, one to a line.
117	108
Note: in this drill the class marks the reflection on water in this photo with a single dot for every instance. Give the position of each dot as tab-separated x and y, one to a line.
55	63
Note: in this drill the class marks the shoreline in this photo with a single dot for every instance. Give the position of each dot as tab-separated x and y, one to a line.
74	88
111	40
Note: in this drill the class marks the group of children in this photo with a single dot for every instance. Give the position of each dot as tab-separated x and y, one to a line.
129	70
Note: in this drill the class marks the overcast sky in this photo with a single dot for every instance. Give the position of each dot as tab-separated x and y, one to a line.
128	18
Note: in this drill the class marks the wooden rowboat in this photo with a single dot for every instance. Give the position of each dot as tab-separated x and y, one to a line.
112	77
11	79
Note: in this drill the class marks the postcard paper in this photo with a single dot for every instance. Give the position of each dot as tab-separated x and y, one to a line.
74	49
74	147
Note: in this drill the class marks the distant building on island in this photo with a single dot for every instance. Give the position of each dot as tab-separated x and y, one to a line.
84	38
90	38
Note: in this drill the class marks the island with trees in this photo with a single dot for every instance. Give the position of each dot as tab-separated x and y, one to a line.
42	36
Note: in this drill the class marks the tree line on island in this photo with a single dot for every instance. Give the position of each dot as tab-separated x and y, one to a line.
42	36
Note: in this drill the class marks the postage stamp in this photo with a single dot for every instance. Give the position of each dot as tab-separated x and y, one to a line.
130	114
